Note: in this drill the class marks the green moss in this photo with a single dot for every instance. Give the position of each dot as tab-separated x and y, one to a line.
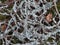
2	17
15	40
50	39
58	43
1	42
58	6
2	1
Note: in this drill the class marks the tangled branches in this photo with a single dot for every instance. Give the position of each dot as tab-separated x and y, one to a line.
24	23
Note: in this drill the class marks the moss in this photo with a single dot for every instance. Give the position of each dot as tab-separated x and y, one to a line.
50	39
58	6
15	40
2	1
58	43
2	17
1	42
